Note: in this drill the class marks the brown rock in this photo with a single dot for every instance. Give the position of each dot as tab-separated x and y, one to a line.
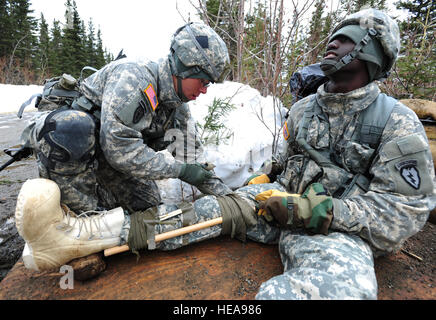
88	267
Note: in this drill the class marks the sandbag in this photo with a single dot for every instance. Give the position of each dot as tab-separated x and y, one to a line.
424	109
426	112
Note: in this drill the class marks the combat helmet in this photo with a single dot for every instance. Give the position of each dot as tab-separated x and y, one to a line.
377	39
197	51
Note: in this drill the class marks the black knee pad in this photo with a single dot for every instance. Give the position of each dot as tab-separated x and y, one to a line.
71	135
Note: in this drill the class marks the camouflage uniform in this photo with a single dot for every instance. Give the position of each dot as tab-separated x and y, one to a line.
399	195
367	223
128	155
208	208
339	265
391	211
109	146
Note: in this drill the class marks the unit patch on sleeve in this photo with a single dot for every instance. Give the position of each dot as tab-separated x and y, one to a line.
151	95
409	172
286	131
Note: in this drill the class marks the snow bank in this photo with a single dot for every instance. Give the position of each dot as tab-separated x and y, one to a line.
12	97
251	122
250	145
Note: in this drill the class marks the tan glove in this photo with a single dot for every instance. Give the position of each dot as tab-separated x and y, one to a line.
314	208
263	197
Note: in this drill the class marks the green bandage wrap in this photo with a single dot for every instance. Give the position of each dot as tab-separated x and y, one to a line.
237	216
141	234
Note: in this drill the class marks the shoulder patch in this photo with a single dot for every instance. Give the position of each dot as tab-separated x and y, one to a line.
139	113
151	95
286	131
410	172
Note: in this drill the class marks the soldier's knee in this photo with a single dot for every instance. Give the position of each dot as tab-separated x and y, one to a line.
67	136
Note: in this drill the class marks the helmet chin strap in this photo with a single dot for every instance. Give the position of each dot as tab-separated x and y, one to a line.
329	67
180	91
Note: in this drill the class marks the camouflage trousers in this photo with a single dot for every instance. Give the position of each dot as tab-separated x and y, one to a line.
208	208
337	266
91	184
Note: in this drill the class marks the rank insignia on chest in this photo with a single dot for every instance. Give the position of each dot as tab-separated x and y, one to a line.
151	95
286	131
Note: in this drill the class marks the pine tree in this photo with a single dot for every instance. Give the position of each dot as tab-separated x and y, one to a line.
100	59
6	34
42	55
73	55
55	49
416	66
315	40
23	27
90	47
222	15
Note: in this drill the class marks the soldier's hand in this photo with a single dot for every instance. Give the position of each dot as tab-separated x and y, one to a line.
257	179
272	205
313	209
194	174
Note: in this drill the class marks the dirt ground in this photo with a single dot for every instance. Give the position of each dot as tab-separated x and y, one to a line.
408	274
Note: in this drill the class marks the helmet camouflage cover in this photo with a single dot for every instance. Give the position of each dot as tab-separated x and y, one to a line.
200	50
386	32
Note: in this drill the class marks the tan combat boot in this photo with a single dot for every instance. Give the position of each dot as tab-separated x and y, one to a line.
55	235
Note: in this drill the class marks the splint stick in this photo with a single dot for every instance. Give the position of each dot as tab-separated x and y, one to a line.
169	235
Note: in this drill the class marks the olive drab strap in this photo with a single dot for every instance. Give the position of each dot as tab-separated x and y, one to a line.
336	65
370	126
373	119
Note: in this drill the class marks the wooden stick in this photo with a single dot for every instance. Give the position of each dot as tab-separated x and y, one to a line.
169	235
410	254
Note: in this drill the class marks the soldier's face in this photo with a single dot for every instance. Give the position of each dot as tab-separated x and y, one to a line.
340	47
192	87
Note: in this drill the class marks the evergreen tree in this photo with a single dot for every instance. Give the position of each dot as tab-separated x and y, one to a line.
315	36
416	66
73	53
6	34
42	55
23	27
100	59
90	47
55	49
222	16
29	51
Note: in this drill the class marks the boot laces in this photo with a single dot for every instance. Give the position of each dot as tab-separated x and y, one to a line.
93	224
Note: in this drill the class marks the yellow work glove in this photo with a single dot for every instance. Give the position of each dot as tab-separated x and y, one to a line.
314	208
258	179
263	198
